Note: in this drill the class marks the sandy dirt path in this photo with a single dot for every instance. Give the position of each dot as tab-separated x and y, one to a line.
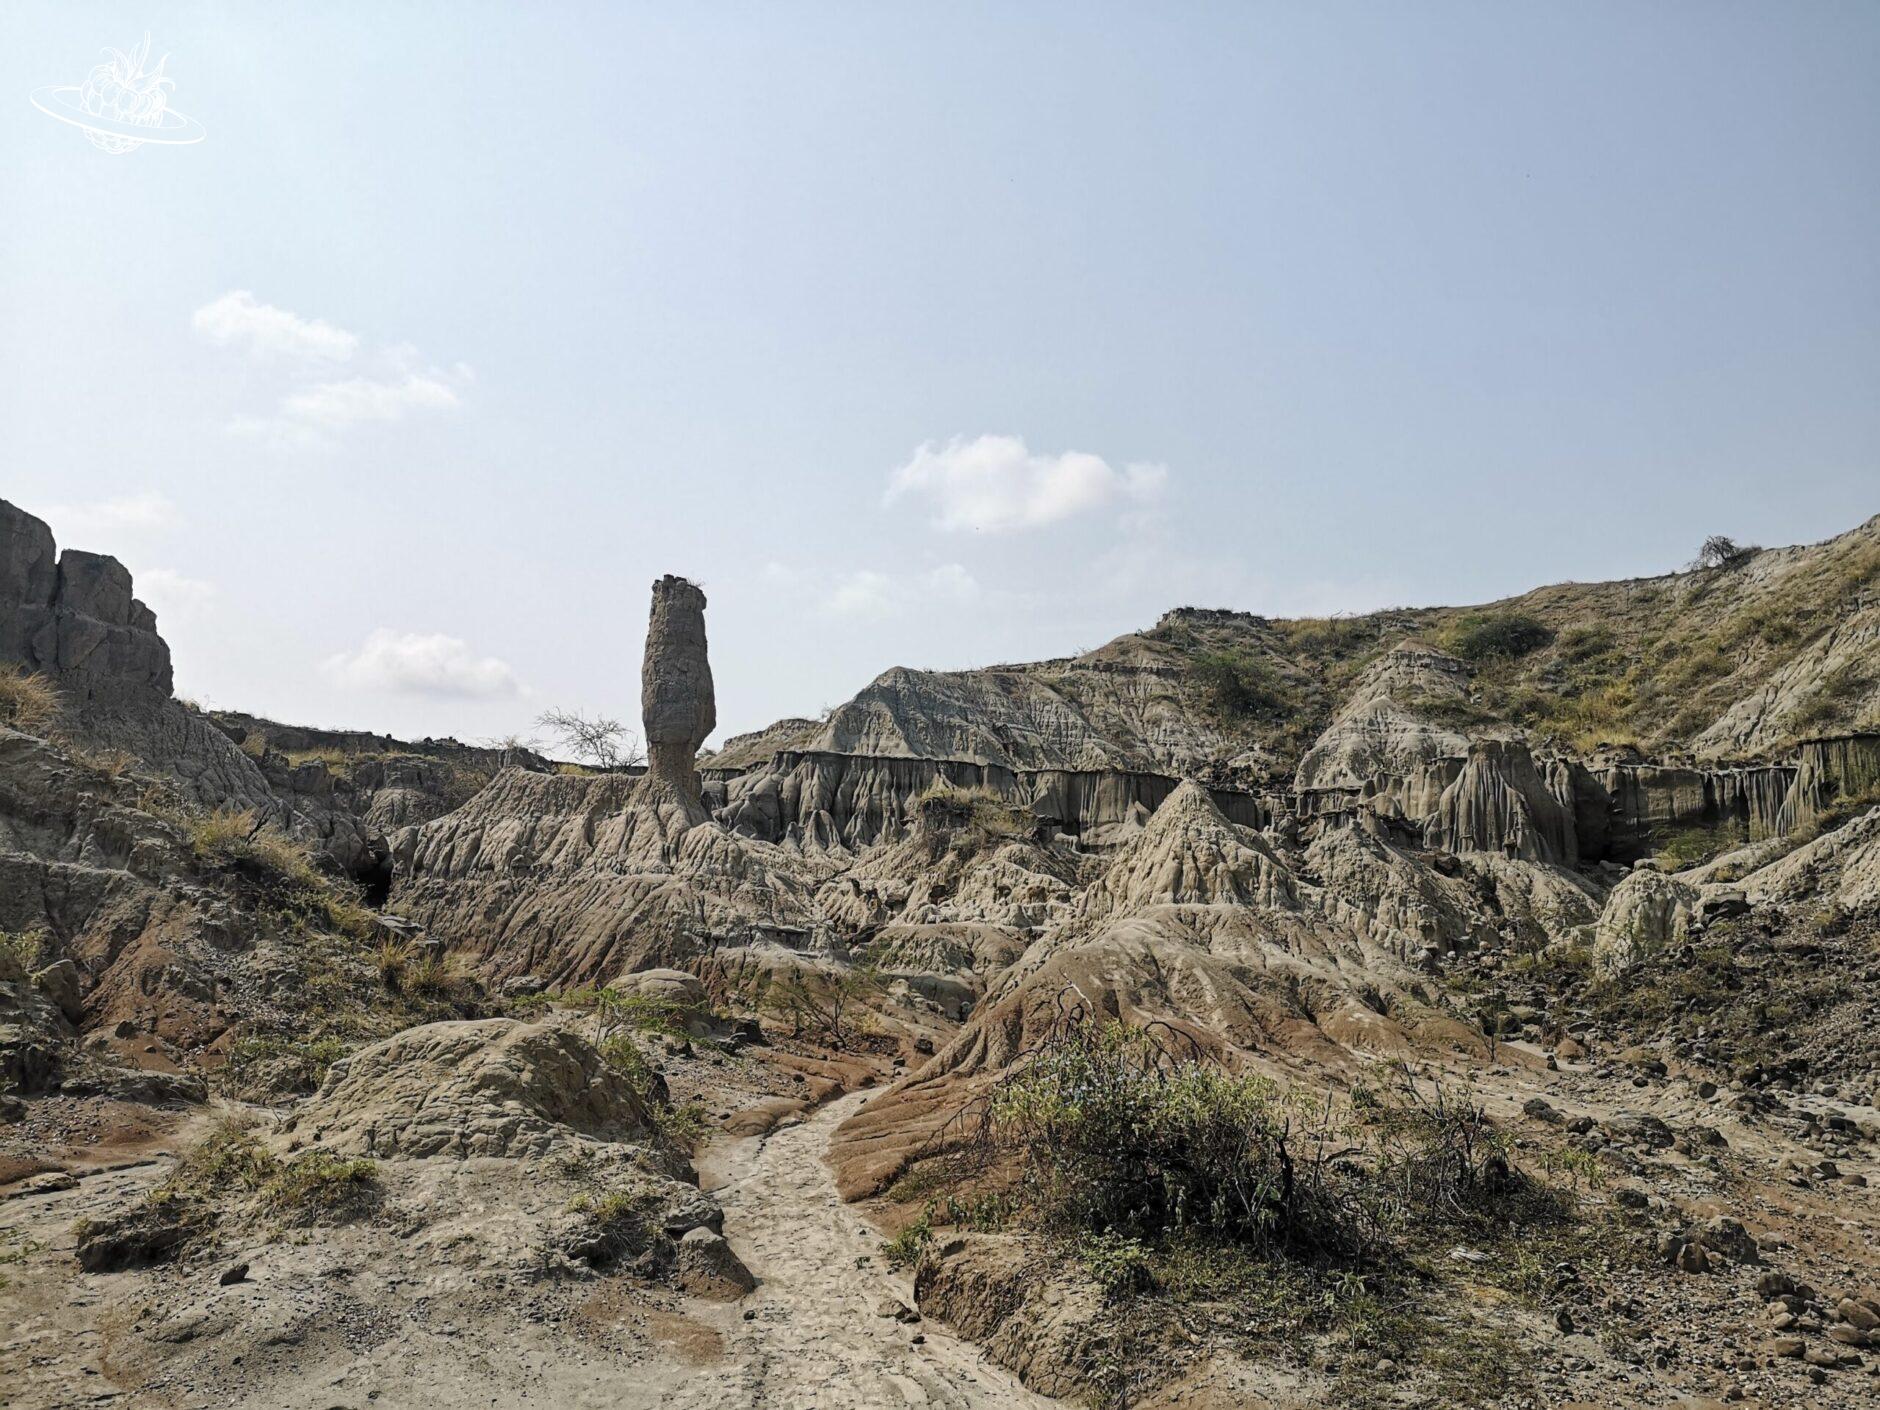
816	1339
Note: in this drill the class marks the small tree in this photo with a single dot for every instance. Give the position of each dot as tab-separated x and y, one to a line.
825	1005
1720	551
595	740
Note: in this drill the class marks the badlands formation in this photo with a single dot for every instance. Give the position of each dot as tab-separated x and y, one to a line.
1443	1007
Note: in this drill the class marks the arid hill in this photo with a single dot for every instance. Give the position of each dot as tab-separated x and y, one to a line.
1451	1006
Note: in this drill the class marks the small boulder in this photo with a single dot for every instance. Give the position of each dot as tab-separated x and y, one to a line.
667	986
708	1267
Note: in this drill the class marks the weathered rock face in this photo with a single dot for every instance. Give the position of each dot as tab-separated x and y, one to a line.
72	616
1191	855
1830	771
857	801
1499	803
676	701
1382	743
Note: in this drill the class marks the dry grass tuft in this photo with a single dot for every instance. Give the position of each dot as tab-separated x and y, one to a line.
28	700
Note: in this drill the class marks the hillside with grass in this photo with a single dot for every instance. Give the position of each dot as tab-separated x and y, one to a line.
1738	657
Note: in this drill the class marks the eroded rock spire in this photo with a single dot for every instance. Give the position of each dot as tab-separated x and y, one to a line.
676	702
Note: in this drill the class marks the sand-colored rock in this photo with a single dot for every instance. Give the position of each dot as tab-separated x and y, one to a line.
494	1087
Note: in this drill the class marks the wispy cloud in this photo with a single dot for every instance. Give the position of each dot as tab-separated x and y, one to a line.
996	485
336	405
867	593
99	523
238	318
172	595
424	663
317	403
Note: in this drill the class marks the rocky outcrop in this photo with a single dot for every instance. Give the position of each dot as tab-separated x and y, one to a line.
1126	707
1383	748
1190	855
676	701
1650	801
1021	1306
1499	803
858	801
72	616
1646	912
494	1087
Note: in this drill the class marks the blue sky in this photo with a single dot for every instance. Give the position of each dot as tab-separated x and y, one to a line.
920	334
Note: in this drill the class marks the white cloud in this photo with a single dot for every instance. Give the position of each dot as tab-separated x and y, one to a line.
868	594
239	318
311	409
863	593
336	405
419	663
994	483
172	595
102	521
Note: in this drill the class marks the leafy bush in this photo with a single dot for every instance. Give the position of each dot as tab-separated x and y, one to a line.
904	1249
683	1126
830	1004
28	700
1238	685
1117	1265
1480	636
25	947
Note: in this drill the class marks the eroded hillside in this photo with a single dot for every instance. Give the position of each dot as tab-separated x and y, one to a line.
1447	1007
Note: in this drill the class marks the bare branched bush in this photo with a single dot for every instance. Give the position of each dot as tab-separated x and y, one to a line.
594	740
1720	551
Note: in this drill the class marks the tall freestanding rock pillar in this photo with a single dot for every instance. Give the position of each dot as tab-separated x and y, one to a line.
676	702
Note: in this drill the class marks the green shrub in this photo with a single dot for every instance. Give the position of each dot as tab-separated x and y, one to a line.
904	1249
1237	685
1480	636
320	1187
683	1126
1117	1265
28	700
1693	846
231	1164
615	1209
27	947
1114	1136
